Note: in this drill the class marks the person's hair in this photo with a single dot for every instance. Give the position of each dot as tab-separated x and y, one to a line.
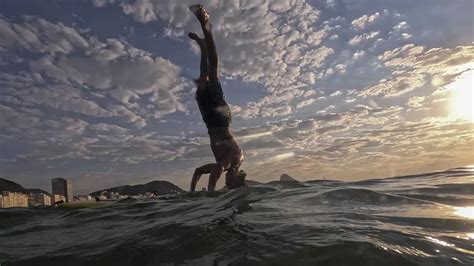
242	174
238	180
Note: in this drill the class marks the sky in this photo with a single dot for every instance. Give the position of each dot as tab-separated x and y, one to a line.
101	91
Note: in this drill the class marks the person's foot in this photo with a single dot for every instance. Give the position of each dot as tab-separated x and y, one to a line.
200	13
194	36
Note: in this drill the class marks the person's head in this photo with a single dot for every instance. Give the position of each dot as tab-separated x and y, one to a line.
235	178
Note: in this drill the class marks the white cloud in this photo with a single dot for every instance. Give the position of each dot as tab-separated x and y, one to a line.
365	20
101	3
143	10
82	67
305	103
326	110
358	54
416	101
40	36
282	49
402	25
406	50
356	40
235	109
413	68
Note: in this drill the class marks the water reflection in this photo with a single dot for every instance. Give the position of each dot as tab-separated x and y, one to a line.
440	242
466	212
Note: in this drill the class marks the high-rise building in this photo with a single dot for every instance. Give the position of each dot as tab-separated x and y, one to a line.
62	187
13	200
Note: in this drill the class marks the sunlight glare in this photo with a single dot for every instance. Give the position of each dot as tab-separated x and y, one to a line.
466	212
256	135
462	99
283	156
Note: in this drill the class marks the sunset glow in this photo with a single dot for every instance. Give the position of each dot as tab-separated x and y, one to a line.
463	97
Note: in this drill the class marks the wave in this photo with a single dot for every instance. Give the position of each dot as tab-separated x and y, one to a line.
456	189
399	221
363	196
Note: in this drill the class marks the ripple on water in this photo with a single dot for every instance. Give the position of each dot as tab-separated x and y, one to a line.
414	220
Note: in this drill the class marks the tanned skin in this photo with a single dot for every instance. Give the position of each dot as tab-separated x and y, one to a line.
225	148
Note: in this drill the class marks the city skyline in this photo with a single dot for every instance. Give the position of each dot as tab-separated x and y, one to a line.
101	91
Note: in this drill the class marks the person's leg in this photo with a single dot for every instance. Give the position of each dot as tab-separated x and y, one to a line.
205	169
211	52
213	60
204	68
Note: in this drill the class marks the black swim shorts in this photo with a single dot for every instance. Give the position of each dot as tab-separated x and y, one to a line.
214	109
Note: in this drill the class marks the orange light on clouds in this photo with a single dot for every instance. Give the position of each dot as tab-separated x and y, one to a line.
462	99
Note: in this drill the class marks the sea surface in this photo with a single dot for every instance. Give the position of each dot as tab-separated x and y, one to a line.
425	219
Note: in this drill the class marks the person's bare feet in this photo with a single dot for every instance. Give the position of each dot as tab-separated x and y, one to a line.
200	13
194	36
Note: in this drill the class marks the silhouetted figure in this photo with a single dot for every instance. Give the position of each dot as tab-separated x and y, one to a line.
215	113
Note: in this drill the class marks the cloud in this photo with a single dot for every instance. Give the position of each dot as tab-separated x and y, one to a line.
363	37
102	3
274	43
88	75
40	36
13	120
365	20
413	67
416	101
305	103
69	97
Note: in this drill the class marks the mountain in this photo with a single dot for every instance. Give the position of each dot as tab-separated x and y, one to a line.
286	177
7	185
158	187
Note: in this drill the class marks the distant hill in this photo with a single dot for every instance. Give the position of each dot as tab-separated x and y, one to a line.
7	185
158	187
286	177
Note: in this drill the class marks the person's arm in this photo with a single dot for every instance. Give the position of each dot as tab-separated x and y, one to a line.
205	169
214	177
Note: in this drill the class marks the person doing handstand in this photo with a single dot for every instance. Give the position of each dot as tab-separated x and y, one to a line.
215	112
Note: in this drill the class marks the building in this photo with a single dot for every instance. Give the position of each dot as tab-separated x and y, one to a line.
84	198
57	198
13	200
63	187
39	199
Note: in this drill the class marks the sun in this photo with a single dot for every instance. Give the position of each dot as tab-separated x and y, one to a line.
462	98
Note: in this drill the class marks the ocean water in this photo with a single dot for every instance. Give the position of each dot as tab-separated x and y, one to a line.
425	219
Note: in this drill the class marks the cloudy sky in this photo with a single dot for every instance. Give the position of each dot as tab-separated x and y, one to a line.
101	92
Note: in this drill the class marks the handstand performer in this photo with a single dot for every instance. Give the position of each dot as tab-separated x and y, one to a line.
215	113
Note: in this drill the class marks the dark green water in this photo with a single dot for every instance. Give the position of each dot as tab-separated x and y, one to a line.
416	220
